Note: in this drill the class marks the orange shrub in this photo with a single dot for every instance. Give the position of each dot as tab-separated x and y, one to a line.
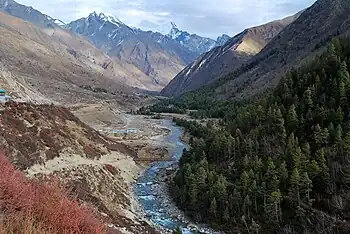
33	205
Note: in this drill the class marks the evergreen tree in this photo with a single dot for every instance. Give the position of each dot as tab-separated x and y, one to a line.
339	134
246	205
274	204
294	194
292	118
306	188
280	129
213	208
272	182
308	98
226	215
344	75
201	176
283	171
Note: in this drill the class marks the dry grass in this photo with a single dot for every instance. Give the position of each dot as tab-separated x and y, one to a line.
32	207
32	134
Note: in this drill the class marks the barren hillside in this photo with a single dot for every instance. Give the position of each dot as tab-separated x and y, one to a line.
46	140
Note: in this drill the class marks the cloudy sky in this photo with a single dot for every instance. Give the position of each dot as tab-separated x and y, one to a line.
205	17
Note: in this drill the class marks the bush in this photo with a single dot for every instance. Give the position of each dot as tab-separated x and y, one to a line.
30	206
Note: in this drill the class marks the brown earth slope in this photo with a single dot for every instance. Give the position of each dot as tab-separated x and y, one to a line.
223	59
47	140
125	70
50	64
299	41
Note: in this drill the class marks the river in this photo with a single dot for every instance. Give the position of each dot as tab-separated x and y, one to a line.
151	190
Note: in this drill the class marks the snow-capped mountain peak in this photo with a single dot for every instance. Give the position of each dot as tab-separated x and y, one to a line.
176	33
106	17
194	42
110	18
173	25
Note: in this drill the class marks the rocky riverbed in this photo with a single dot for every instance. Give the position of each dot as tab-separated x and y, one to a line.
151	189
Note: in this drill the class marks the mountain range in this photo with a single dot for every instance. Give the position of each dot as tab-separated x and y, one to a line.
195	43
306	35
225	58
299	42
124	56
140	59
158	56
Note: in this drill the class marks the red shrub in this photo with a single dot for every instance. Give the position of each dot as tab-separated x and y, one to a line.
40	205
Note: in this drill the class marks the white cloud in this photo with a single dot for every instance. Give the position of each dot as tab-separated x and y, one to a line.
204	17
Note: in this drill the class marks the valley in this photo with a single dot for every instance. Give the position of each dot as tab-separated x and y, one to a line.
109	128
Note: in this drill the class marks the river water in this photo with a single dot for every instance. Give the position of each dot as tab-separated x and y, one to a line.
151	190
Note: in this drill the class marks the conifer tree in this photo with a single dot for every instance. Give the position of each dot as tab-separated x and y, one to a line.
292	118
344	75
306	188
280	129
213	208
308	98
226	214
294	194
275	204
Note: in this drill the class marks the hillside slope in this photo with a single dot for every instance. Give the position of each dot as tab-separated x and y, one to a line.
47	140
27	13
50	64
300	40
280	160
223	59
47	32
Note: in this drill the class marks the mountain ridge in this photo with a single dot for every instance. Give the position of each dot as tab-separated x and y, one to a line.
298	42
132	46
223	59
195	42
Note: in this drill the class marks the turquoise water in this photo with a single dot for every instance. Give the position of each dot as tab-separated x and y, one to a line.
163	214
145	188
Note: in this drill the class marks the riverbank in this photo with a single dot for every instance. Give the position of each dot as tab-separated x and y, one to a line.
152	189
158	145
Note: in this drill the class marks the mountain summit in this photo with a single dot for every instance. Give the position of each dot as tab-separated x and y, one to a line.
194	42
28	13
158	62
106	17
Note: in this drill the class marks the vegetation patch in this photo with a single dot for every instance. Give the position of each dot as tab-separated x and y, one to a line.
277	163
33	207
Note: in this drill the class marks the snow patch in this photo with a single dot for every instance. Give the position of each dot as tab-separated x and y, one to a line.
59	22
101	27
202	63
188	72
110	18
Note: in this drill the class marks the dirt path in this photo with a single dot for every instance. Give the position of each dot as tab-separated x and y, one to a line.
127	166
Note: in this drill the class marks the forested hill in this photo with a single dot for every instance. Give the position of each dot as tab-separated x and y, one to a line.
279	163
